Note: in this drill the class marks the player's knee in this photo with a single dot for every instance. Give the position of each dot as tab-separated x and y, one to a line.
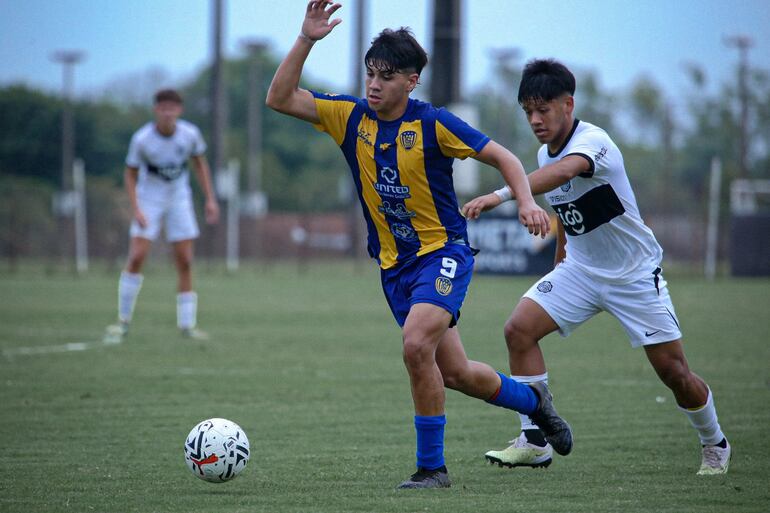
134	264
184	264
417	352
517	335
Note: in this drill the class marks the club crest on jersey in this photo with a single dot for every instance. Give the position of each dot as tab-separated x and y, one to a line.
408	138
566	187
443	285
544	287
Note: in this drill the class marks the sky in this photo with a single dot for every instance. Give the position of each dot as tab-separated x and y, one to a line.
619	40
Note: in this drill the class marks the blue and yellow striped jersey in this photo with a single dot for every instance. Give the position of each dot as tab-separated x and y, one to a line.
403	172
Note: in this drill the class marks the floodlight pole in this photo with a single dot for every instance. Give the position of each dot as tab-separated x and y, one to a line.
255	50
218	115
447	35
359	38
68	59
743	44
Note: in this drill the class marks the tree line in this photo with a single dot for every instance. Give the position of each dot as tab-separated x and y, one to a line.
668	142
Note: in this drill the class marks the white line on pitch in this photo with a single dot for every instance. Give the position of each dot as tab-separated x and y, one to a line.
61	348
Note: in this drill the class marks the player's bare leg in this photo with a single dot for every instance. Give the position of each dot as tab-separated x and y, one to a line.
470	377
694	399
527	325
138	250
670	364
424	327
183	258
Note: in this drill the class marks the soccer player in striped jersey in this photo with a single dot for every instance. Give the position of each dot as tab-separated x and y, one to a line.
606	259
400	153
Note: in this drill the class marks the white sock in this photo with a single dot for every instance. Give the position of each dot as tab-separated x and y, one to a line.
186	310
704	420
129	286
526	422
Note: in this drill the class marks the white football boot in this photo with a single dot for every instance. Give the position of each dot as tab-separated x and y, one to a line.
115	332
716	460
522	454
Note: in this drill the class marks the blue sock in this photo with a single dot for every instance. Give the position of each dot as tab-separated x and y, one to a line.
430	441
514	396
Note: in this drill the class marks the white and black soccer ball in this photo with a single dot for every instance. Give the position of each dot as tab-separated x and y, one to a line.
216	450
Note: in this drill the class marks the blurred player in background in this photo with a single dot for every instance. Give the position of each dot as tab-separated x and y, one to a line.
400	152
158	185
606	260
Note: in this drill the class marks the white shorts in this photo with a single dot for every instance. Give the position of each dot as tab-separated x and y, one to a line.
644	308
177	218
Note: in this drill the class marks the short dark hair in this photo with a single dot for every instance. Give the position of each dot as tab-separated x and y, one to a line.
168	95
545	80
396	50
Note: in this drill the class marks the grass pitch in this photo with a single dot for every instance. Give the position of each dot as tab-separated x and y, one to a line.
308	361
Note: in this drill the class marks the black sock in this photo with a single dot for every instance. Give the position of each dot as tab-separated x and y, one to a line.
535	437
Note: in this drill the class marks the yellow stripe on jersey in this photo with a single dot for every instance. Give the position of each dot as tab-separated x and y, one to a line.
334	116
451	145
367	130
426	223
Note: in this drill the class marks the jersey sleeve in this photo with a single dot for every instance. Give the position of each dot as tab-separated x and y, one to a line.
456	138
134	157
333	112
199	144
593	145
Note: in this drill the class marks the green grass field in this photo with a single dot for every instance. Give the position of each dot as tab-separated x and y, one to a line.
309	364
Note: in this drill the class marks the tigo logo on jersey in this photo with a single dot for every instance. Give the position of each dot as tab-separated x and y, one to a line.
408	138
443	286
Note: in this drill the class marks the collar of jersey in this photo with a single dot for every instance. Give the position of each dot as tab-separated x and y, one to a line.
566	141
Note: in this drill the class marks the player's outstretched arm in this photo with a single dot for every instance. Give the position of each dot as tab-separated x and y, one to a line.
541	181
284	94
530	214
479	204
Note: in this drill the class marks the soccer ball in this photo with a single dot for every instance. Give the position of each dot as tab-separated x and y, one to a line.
216	450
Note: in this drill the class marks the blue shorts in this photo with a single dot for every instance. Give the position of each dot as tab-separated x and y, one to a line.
440	278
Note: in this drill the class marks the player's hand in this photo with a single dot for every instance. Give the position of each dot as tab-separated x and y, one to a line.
212	211
317	25
535	219
474	208
139	216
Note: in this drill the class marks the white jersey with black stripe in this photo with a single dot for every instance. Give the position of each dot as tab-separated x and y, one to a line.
606	236
163	160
